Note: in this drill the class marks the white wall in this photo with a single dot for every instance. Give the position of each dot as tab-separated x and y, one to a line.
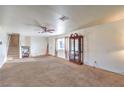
38	46
3	55
103	44
106	46
51	46
24	41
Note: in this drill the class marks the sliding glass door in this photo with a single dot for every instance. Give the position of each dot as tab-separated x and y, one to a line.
60	47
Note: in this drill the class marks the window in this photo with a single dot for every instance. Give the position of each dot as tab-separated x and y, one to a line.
60	44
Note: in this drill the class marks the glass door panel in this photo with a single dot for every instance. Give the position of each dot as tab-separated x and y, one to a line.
76	50
72	50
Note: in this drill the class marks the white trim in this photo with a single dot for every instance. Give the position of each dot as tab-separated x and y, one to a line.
3	62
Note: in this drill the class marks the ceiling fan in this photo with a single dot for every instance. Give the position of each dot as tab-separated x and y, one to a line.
43	29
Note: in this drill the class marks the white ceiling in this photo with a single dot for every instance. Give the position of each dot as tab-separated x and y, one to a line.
15	18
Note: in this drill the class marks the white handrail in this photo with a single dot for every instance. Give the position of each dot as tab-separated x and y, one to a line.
8	41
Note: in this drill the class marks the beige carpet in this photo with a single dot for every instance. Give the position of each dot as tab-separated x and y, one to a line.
51	71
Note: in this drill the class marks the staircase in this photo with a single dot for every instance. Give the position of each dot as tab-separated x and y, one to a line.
13	53
13	49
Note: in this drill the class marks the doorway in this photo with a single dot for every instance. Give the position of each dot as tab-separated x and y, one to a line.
13	47
14	40
60	47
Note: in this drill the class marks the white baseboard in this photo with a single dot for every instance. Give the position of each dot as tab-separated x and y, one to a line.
3	62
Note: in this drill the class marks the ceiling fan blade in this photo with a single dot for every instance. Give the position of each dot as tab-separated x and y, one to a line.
36	22
50	32
34	25
39	25
44	28
44	31
50	29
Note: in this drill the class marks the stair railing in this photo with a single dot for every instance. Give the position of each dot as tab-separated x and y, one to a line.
8	42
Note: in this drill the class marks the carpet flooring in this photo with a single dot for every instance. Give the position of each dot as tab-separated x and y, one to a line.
55	72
